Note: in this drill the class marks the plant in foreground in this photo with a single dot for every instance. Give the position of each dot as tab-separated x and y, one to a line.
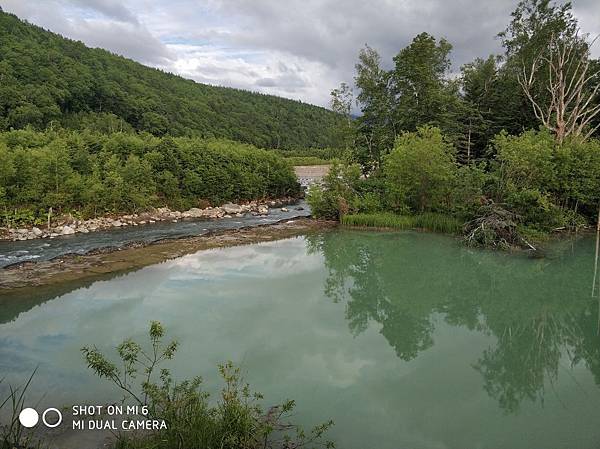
12	434
236	420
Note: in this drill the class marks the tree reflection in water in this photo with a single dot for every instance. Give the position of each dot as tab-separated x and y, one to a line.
539	310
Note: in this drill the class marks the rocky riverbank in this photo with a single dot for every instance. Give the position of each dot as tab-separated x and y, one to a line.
67	225
69	269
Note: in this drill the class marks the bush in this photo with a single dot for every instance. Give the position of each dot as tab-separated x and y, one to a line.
339	194
236	421
546	184
420	170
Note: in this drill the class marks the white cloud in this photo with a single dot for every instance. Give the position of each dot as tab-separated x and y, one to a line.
299	49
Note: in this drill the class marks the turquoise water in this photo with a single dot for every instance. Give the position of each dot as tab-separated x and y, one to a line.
405	340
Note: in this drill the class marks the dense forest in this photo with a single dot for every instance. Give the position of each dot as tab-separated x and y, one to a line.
89	174
510	148
49	81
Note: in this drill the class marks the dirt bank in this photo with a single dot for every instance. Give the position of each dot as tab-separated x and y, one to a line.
98	264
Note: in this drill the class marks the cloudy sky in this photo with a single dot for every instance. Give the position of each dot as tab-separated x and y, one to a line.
294	48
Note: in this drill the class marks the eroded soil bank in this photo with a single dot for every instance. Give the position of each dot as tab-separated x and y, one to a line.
98	264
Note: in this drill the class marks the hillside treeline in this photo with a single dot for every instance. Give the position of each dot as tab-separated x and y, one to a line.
49	81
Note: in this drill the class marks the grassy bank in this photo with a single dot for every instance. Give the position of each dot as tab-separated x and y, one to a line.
430	221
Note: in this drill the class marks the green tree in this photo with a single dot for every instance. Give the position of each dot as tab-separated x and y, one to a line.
423	95
419	170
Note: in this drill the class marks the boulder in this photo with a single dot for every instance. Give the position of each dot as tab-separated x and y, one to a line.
67	230
37	232
231	208
262	210
194	212
116	223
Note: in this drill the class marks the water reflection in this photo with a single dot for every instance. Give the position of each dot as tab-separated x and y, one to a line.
539	311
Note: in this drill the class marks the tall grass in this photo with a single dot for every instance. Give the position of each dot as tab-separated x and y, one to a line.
446	224
379	220
12	434
306	160
429	220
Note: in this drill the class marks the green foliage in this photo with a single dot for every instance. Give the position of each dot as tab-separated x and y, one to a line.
238	420
545	184
338	195
48	81
527	159
420	170
93	173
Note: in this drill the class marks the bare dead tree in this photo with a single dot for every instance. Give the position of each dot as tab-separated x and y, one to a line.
569	108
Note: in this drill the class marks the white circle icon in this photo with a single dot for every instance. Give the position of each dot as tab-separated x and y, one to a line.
57	423
29	417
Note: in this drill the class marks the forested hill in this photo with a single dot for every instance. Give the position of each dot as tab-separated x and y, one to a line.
46	79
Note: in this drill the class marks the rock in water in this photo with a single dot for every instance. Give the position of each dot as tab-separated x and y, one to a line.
231	208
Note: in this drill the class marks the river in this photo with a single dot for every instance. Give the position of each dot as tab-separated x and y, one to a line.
404	339
46	249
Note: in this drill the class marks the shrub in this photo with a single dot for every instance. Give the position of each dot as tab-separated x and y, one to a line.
526	160
419	171
339	194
